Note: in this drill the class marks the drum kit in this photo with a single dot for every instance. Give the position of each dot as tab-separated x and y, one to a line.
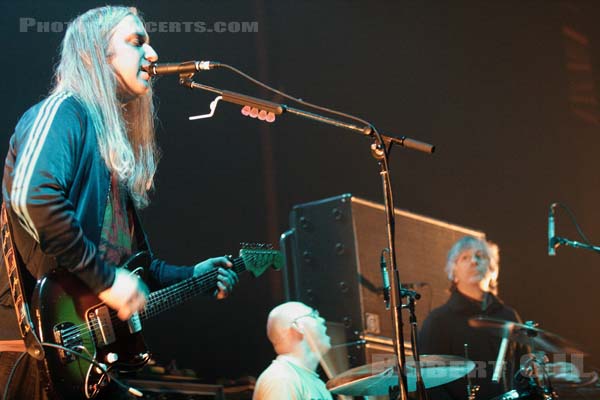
533	381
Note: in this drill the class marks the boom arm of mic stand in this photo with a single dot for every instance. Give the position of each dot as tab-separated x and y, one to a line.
557	241
278	109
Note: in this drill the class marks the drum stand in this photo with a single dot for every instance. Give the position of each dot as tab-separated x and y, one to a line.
540	386
532	381
471	389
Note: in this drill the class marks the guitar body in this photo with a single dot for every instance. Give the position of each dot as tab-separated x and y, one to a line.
68	314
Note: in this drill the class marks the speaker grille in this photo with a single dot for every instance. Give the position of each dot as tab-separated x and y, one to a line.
333	263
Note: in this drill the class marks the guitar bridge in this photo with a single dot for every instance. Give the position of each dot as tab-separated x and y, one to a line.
66	335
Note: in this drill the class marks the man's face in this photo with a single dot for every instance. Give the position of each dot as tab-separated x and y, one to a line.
314	328
129	51
472	268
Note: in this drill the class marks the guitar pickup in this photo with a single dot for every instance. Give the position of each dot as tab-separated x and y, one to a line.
103	327
67	335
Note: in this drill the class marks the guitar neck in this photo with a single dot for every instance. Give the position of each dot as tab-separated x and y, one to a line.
174	295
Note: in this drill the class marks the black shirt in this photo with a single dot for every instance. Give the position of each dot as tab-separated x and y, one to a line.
446	330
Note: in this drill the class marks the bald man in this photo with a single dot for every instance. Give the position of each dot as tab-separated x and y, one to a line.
299	337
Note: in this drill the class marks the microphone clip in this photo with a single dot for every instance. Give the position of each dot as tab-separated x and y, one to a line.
213	107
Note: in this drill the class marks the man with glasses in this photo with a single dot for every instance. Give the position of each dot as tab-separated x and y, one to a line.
299	338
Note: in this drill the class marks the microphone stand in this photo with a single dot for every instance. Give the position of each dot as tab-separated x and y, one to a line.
380	150
557	241
414	339
278	109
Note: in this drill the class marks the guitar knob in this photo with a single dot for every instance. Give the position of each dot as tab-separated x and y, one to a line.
111	358
100	369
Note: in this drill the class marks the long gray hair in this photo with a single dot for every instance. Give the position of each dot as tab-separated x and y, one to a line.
125	133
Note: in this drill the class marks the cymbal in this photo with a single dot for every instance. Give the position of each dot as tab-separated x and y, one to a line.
375	379
582	389
527	334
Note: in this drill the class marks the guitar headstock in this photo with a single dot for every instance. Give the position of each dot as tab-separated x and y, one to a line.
259	257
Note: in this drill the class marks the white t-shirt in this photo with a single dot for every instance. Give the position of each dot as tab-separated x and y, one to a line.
286	379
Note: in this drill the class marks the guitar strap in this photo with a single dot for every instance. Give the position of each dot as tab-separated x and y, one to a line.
17	291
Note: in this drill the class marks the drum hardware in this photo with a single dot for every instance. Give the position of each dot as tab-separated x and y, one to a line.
537	382
375	379
381	378
527	334
472	392
471	389
529	385
533	381
413	296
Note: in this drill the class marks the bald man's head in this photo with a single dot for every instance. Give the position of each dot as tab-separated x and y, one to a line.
283	329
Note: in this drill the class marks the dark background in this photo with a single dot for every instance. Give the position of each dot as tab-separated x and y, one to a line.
506	90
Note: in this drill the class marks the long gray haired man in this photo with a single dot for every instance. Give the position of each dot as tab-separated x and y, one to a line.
80	164
472	267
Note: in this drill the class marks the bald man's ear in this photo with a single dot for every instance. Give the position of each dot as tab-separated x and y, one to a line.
297	327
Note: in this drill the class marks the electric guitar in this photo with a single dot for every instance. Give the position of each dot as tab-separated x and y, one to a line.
68	315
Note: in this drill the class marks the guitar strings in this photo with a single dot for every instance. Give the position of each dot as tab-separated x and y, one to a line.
156	300
158	295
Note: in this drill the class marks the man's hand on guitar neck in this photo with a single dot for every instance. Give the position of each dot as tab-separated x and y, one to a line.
127	295
226	277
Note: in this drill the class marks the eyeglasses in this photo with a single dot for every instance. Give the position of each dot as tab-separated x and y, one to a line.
313	314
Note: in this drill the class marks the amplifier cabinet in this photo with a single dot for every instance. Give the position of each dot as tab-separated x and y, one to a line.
333	264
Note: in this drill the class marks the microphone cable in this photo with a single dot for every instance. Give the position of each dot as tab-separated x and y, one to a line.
576	224
102	368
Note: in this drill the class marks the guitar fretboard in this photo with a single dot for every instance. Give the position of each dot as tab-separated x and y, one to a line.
167	298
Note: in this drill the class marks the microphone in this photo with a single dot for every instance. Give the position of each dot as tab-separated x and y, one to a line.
551	238
180	68
386	281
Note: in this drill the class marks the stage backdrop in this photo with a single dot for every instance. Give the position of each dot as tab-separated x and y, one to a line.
506	90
